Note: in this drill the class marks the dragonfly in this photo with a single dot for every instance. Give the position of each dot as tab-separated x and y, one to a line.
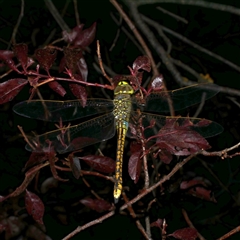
113	116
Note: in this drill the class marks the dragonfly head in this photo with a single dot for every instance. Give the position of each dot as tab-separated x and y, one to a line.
123	87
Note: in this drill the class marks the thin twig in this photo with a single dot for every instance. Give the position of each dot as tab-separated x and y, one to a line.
223	154
191	224
13	38
101	64
198	47
200	106
134	216
229	234
137	35
117	34
87	225
129	35
56	15
206	4
172	15
76	12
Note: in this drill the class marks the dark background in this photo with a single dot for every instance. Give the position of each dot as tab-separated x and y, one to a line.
215	30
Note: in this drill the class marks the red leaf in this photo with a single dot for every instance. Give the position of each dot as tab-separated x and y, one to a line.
158	223
142	63
21	52
7	56
192	183
34	206
135	162
179	139
46	57
203	123
165	156
10	88
100	163
57	87
86	37
71	36
136	80
62	65
135	147
79	92
185	234
77	143
203	193
98	205
36	158
72	58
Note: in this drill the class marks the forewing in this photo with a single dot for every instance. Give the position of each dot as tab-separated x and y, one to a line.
66	110
76	137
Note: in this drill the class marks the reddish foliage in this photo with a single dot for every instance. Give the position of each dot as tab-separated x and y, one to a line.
72	57
7	57
179	140
36	158
79	92
141	63
34	206
165	156
158	223
57	87
135	162
21	52
185	234
79	37
98	205
71	36
135	166
191	183
10	88
202	193
46	57
77	143
100	163
198	188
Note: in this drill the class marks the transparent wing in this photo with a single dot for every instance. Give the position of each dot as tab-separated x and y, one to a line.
153	123
68	110
76	137
181	98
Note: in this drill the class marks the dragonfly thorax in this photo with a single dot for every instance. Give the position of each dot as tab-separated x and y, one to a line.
123	88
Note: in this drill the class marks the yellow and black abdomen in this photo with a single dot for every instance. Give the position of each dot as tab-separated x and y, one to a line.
122	110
